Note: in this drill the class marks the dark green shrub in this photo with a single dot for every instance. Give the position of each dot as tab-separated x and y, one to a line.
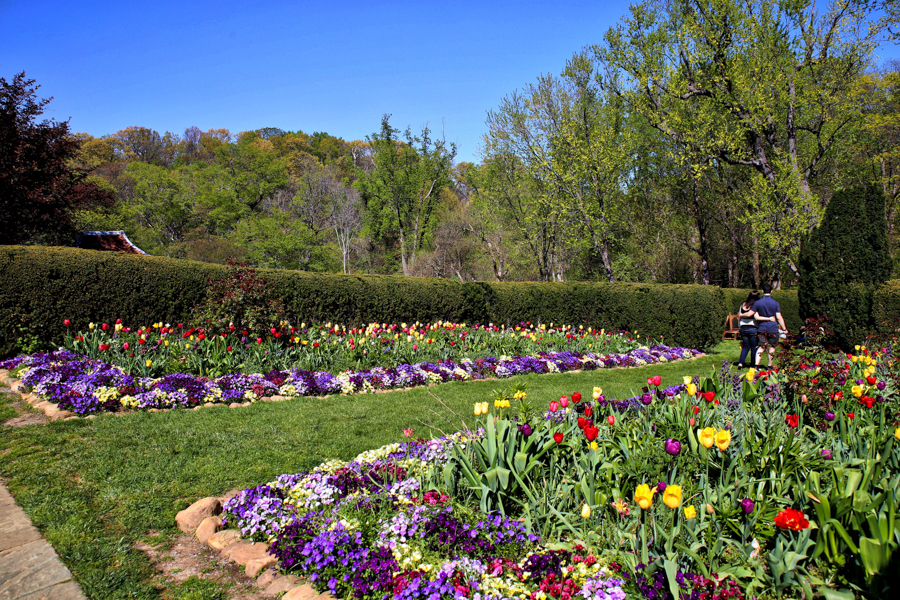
886	305
843	260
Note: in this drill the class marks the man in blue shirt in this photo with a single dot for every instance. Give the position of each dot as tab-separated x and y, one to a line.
768	331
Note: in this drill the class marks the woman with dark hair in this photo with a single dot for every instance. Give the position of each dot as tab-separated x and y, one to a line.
748	319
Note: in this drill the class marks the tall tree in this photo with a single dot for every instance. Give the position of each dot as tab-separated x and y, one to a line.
39	191
763	85
401	192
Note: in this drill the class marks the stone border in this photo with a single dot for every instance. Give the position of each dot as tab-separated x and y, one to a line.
202	520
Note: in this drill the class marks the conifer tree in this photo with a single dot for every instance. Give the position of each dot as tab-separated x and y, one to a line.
843	260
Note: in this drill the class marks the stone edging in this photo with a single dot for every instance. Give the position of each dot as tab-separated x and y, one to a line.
202	519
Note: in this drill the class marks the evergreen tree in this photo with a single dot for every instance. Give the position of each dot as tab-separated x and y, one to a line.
843	260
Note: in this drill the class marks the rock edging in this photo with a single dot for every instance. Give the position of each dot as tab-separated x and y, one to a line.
202	519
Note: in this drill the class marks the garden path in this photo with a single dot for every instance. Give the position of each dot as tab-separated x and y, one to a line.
29	567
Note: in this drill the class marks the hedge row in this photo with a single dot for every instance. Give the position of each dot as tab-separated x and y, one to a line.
790	306
44	285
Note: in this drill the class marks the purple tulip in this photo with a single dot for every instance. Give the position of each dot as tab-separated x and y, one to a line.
829	416
673	447
525	429
646	399
826	454
859	382
661	486
747	505
880	385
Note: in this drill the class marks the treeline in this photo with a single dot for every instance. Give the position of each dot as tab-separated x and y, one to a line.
699	142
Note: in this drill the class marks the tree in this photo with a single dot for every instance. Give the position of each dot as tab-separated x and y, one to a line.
39	192
401	193
843	260
766	86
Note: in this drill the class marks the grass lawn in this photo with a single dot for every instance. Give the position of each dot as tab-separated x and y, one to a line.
96	486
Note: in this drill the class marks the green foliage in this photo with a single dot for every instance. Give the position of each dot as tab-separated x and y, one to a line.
843	260
886	305
241	301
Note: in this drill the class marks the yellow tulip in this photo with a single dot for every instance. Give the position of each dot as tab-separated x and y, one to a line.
897	433
690	512
707	437
585	512
856	347
857	390
751	374
643	495
723	438
597	393
166	342
149	362
672	496
691	389
594	446
688	379
91	326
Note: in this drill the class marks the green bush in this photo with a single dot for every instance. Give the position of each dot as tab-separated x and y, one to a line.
843	260
45	285
886	304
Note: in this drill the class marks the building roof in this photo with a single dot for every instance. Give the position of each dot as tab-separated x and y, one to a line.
111	241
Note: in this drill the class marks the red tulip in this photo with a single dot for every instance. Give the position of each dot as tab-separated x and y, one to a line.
103	347
588	410
710	396
259	340
576	397
691	421
228	349
104	327
558	437
582	423
656	380
591	433
66	322
851	415
118	321
611	420
564	401
872	380
554	406
125	346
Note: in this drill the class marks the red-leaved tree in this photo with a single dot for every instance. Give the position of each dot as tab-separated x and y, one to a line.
38	190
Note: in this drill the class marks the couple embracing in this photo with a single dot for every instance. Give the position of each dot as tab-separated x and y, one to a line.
761	324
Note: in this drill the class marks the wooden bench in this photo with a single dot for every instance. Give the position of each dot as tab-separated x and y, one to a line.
732	328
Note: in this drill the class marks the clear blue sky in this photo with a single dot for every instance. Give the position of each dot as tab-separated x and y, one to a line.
314	66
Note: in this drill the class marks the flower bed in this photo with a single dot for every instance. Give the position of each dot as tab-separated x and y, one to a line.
84	385
725	486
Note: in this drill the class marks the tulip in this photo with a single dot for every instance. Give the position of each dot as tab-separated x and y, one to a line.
723	439
526	429
576	397
661	486
66	322
149	362
125	346
597	393
688	379
91	326
691	389
673	447
611	420
826	454
690	512
710	510
709	396
104	327
558	437
228	349
707	437
554	406
897	433
747	505
857	390
871	380
851	416
585	512
751	374
829	416
588	410
591	433
643	496
672	496
691	421
564	401
593	446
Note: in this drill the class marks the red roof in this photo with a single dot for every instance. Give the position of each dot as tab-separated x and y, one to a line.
112	241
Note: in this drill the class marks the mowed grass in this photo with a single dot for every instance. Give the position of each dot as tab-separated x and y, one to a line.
96	486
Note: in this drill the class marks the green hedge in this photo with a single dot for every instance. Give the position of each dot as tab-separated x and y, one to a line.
886	304
790	306
44	285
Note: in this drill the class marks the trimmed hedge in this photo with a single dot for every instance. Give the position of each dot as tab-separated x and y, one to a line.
790	305
886	304
47	284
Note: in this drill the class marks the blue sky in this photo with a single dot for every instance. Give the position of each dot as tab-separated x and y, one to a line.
315	66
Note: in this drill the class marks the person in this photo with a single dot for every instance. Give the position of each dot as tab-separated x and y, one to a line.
748	329
768	329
